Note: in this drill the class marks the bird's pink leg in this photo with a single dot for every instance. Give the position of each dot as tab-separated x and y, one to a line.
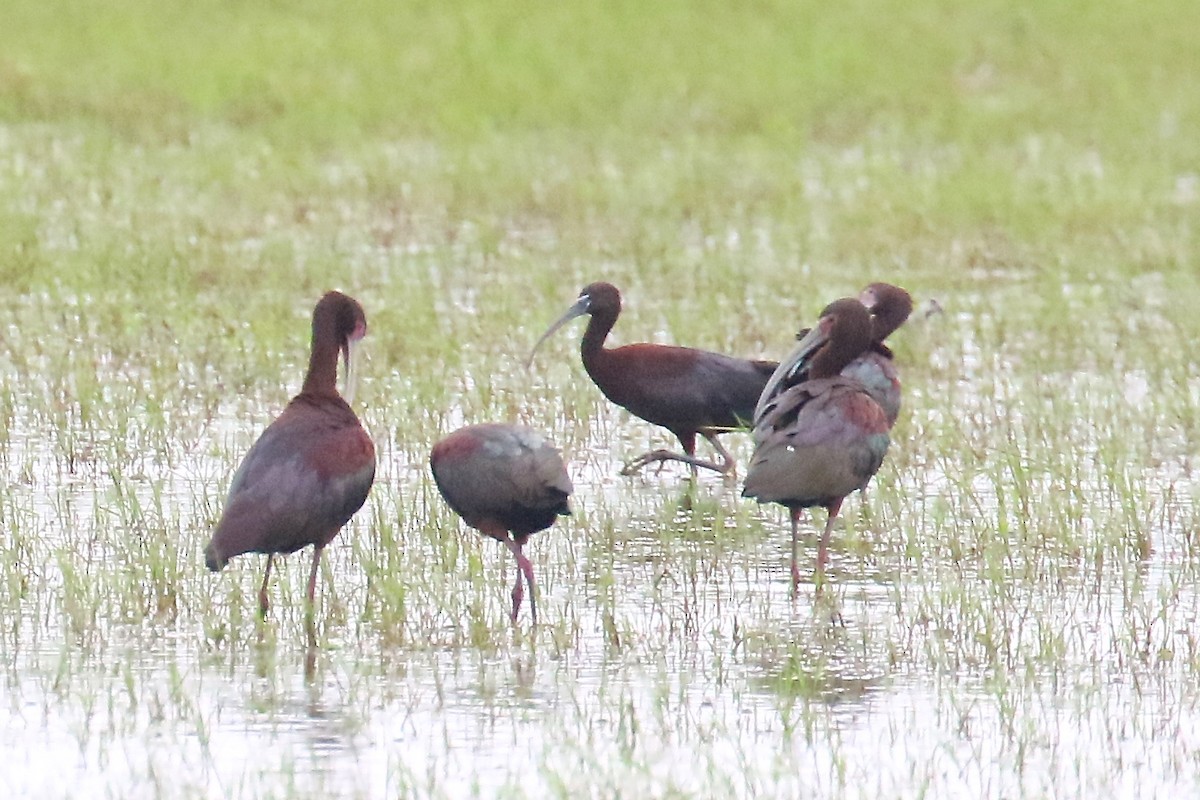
727	463
263	603
689	448
524	567
823	547
518	594
795	551
310	606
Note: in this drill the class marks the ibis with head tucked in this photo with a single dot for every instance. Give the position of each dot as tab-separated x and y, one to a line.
889	307
506	481
824	437
310	470
689	392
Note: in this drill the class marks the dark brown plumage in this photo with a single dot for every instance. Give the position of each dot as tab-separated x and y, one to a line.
823	438
687	391
310	470
890	307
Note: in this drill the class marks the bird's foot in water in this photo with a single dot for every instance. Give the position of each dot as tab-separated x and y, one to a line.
826	604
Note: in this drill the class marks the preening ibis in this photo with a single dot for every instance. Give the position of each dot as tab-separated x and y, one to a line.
825	437
310	470
890	307
507	482
686	391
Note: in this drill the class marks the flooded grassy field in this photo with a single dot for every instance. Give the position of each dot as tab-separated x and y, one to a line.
1017	587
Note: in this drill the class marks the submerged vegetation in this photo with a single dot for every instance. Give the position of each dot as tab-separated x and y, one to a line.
179	184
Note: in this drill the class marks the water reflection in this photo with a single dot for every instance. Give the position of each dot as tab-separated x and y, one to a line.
291	718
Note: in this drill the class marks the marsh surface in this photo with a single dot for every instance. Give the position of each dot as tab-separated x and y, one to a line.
1018	586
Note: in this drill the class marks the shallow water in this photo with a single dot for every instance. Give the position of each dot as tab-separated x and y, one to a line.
670	660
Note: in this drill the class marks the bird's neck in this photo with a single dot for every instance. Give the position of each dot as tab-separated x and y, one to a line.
321	379
836	354
597	331
888	318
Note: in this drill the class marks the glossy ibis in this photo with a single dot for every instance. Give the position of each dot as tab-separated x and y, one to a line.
890	307
507	482
310	470
684	390
825	437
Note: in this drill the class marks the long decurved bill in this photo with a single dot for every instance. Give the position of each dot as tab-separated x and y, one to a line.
578	310
350	358
790	366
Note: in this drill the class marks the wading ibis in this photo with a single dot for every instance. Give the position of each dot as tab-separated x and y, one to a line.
507	482
890	307
825	437
684	390
310	470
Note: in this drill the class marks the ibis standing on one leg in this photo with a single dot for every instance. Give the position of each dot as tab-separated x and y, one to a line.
310	470
824	437
687	391
507	482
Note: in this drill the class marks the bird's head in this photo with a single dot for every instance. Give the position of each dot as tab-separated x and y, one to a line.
598	299
889	306
341	316
842	334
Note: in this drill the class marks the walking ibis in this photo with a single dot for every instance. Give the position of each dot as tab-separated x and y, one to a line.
684	390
